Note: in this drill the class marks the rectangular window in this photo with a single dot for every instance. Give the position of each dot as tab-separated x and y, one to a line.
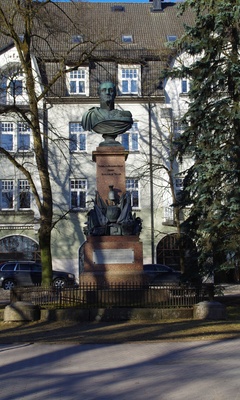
132	186
166	113
125	140
15	136
118	8
185	85
129	80
77	137
78	81
23	194
168	214
171	38
13	86
7	135
130	138
178	127
24	134
7	195
77	39
78	189
3	88
179	183
179	188
16	88
127	38
16	91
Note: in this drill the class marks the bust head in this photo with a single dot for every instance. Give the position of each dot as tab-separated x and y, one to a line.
107	94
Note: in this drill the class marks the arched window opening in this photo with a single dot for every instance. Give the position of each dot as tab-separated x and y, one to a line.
168	251
18	247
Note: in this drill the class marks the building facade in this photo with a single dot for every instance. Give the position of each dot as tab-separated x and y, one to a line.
132	54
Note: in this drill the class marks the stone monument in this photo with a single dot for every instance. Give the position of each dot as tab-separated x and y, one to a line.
113	251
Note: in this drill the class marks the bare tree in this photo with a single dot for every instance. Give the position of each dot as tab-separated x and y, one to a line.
39	31
159	161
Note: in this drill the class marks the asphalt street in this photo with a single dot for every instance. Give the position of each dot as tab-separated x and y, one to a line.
196	370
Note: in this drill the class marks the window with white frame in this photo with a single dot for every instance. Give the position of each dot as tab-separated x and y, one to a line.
78	81
132	186
77	137
78	194
7	187
168	215
129	79
7	135
24	198
15	136
130	138
15	195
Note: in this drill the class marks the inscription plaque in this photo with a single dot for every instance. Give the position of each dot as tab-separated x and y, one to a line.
113	256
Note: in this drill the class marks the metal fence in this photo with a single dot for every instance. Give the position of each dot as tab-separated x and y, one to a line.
112	295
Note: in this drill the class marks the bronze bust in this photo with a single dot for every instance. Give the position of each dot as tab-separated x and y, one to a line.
106	120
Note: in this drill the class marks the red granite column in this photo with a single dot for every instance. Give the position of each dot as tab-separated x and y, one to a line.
110	169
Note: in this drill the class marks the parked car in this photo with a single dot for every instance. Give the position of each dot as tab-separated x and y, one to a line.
29	273
160	274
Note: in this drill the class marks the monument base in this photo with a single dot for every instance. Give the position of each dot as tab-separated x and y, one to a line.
113	278
113	259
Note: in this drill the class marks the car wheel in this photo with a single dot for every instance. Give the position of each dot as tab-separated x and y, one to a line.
59	283
8	284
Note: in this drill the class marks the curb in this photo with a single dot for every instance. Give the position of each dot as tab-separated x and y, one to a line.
111	314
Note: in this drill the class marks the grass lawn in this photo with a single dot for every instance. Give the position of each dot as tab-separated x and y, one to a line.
118	332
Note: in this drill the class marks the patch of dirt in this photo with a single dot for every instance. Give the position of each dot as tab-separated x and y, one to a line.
100	332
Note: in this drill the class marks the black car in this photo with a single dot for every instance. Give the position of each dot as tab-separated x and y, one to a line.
29	273
160	274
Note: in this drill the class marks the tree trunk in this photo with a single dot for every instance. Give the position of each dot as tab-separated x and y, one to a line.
181	245
45	251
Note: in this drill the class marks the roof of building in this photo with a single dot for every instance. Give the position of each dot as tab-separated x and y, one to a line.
100	26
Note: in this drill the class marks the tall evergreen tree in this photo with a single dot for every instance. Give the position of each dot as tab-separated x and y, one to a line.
212	136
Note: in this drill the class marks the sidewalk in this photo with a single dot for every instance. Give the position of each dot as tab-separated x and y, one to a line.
177	360
202	370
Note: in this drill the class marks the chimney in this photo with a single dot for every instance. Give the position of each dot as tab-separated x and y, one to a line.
157	5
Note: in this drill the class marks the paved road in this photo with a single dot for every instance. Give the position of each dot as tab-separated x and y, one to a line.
199	370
